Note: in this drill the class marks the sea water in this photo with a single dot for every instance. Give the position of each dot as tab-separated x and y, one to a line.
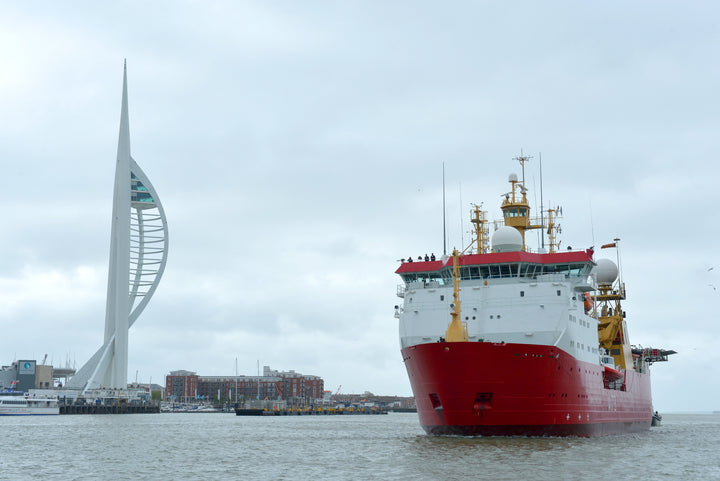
215	446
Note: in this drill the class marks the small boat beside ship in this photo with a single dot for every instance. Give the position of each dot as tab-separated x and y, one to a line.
656	419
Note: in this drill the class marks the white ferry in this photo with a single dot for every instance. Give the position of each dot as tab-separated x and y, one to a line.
16	403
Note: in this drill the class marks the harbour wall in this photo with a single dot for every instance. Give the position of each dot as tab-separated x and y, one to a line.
308	411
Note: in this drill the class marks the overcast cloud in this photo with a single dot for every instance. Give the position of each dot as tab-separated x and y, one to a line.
297	148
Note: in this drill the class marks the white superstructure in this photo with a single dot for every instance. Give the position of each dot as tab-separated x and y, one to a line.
514	301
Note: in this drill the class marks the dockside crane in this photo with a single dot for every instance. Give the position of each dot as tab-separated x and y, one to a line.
332	400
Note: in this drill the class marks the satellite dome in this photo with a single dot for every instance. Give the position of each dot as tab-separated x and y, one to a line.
507	239
606	271
512	178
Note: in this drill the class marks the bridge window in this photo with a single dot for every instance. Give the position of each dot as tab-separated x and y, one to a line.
471	272
426	278
515	212
443	277
570	270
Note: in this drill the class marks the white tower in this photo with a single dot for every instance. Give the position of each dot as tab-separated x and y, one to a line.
138	253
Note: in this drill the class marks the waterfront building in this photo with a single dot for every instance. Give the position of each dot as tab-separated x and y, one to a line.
26	374
151	391
181	386
291	386
138	253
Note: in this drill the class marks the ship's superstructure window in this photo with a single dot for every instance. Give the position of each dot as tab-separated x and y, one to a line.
515	212
527	270
443	276
429	279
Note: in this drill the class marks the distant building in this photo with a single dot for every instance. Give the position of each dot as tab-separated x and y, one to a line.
181	386
291	386
152	391
26	374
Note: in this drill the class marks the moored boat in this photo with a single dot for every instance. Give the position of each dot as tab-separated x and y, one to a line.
14	403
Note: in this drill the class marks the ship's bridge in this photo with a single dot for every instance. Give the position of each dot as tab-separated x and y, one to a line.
497	266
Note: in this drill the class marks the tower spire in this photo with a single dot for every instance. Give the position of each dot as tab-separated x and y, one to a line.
118	304
138	253
124	135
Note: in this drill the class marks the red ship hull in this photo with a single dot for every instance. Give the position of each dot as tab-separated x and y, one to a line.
498	389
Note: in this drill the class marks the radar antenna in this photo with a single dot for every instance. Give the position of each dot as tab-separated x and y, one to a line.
553	228
480	227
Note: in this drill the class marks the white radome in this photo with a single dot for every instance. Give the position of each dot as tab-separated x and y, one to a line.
606	271
506	239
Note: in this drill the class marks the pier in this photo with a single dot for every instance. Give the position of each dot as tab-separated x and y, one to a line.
308	411
109	402
109	409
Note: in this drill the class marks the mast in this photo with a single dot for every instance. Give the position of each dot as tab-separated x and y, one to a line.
480	224
542	214
612	327
515	207
462	234
553	229
443	190
457	330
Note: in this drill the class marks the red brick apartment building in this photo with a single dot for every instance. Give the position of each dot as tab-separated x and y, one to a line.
291	386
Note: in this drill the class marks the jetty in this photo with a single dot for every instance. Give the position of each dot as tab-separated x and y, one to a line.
109	409
309	411
103	401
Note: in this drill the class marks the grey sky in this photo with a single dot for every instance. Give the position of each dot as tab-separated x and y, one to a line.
297	148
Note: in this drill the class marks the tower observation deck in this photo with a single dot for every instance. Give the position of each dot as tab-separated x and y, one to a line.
138	253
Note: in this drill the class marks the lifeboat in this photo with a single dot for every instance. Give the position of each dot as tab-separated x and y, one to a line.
611	374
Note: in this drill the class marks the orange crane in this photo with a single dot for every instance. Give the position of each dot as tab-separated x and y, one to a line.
332	400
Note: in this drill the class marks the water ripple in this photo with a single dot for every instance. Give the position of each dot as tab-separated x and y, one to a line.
392	447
